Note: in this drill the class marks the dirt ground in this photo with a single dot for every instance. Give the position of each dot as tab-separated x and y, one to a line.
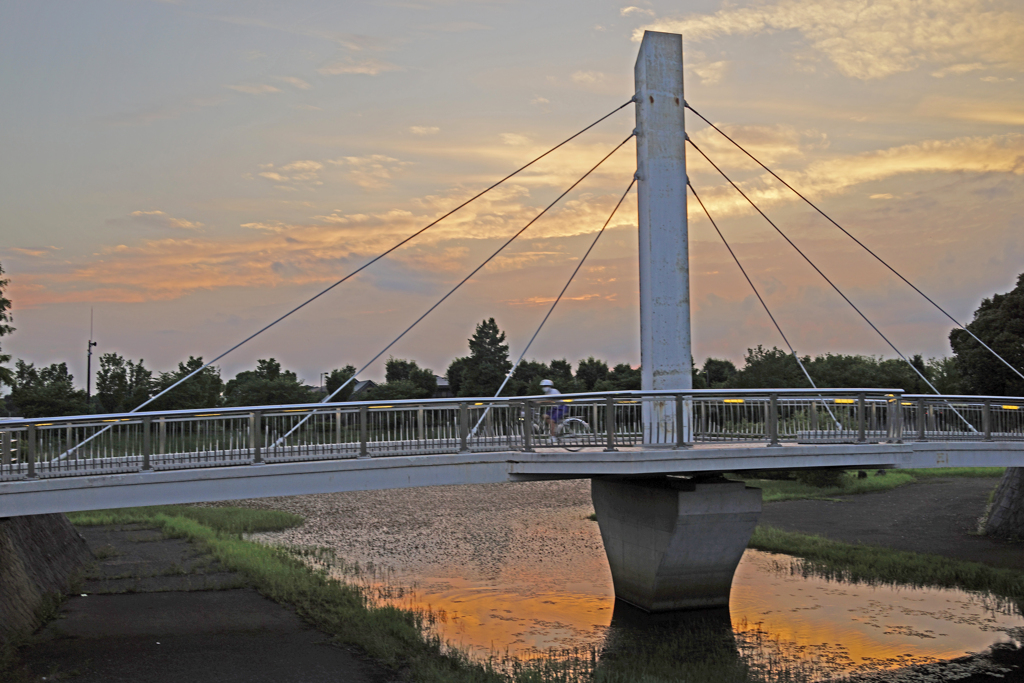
937	516
156	610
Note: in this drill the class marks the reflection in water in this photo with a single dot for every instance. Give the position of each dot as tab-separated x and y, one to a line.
776	615
518	570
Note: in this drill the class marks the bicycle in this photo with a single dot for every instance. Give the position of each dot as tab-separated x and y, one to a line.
571	433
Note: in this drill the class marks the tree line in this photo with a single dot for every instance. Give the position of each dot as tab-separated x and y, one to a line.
123	384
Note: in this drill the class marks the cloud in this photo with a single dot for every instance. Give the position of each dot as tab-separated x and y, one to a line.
626	11
159	219
424	130
457	27
879	39
305	172
33	252
588	77
369	67
254	88
514	139
540	100
993	154
709	73
294	81
1009	114
957	69
374	171
770	144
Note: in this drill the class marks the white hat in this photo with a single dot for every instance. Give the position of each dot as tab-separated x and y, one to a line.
547	383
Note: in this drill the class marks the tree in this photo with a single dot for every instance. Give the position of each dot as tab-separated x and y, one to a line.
404	380
268	384
999	322
46	392
202	391
6	375
561	374
764	369
339	377
488	361
717	372
121	384
526	379
944	373
589	372
454	374
623	377
423	379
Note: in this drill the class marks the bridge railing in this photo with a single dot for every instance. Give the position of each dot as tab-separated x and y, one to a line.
98	444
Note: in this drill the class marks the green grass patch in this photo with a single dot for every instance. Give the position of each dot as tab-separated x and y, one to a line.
774	490
225	519
957	472
396	638
873	565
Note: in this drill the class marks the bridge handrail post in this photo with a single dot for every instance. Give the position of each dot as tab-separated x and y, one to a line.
528	427
921	419
68	433
5	444
421	429
364	431
986	418
773	421
147	442
256	435
162	435
609	425
463	427
680	424
862	414
30	435
337	428
896	419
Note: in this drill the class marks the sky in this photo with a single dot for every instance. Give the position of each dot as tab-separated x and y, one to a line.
189	171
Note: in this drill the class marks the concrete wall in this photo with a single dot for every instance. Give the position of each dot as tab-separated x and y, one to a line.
38	556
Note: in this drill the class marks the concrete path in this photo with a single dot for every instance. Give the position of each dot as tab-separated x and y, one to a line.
157	610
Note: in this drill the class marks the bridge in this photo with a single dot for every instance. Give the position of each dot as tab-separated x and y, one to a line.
674	528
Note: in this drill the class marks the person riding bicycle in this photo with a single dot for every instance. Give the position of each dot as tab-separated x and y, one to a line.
557	412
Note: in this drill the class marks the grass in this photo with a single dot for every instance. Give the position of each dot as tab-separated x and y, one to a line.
393	637
228	520
401	640
774	490
873	565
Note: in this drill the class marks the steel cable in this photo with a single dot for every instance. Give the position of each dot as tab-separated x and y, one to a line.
382	255
551	310
463	281
759	298
825	277
358	270
859	243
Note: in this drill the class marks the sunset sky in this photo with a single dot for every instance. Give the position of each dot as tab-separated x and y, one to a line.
191	170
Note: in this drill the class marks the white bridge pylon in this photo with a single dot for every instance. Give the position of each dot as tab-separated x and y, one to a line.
665	353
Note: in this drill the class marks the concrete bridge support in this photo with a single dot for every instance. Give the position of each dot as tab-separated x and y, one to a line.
672	543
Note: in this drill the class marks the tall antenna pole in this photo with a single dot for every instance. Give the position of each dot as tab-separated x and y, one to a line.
88	363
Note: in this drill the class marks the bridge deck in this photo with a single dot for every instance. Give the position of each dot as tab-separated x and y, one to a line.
232	482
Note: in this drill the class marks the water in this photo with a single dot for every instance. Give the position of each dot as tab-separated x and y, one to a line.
519	569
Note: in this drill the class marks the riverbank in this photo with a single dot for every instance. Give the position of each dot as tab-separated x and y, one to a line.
159	607
431	523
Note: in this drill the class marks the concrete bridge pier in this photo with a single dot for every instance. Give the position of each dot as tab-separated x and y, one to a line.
673	543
